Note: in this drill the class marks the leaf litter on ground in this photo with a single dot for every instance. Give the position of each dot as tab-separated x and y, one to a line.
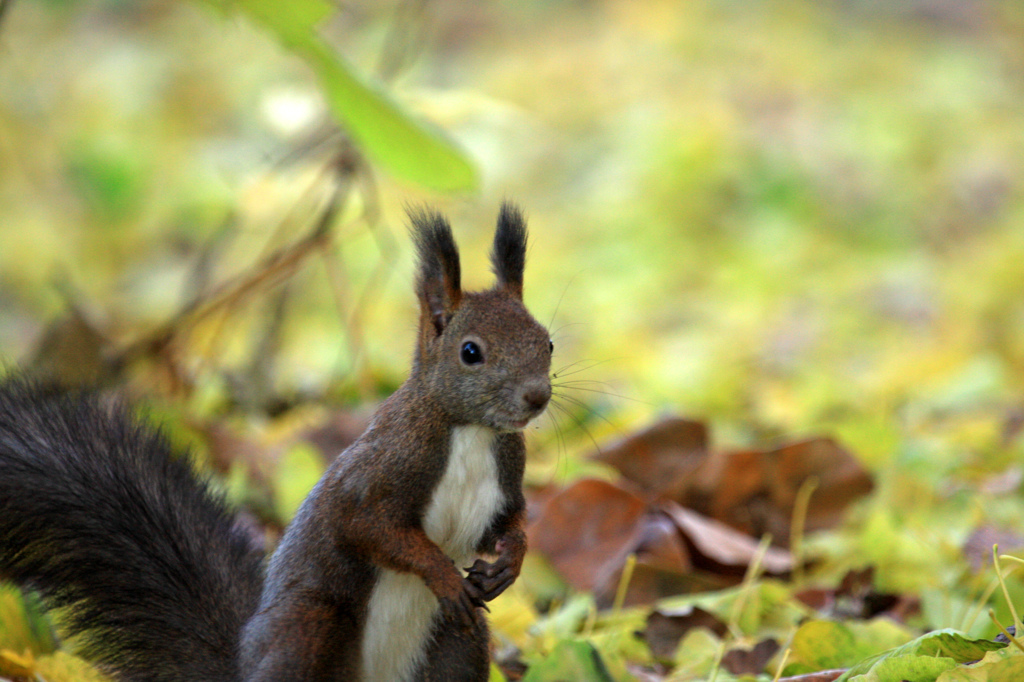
598	533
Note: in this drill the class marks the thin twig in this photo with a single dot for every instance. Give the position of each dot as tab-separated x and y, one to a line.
274	268
405	41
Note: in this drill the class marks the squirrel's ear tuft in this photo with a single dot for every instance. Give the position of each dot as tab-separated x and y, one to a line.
508	256
438	281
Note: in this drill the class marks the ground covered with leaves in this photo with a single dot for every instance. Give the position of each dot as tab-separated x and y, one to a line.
779	247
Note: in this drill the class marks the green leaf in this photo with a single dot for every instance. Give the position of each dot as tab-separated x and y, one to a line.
575	660
1004	665
767	604
407	148
921	660
697	652
294	23
568	618
906	669
821	644
615	637
414	151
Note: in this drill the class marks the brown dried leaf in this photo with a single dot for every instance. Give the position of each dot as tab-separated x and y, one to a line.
587	530
840	479
750	661
665	628
717	548
752	490
857	598
755	491
537	497
659	459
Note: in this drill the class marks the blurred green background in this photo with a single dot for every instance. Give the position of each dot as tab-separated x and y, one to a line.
785	218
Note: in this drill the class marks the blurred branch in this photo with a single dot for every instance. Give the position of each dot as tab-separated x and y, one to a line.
388	248
350	171
276	267
201	274
253	388
405	40
337	273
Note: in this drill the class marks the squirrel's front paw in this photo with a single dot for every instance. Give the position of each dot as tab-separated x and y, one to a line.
460	601
492	578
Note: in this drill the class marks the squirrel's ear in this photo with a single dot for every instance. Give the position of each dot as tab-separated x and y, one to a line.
508	256
438	282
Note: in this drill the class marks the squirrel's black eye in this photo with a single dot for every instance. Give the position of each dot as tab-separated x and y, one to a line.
471	353
551	346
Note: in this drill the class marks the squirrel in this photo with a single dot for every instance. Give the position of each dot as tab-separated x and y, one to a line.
161	583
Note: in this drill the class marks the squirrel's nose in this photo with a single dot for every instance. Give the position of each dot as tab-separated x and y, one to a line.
535	395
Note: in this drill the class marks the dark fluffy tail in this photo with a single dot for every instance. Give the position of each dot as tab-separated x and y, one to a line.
99	516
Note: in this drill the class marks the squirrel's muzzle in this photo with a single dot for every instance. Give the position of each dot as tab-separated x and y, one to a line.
534	396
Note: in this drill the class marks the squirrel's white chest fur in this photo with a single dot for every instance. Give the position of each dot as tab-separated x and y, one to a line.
461	508
468	495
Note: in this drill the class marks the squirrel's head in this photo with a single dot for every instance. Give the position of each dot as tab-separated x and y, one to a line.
480	355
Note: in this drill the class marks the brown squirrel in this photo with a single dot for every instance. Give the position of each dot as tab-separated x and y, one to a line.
98	516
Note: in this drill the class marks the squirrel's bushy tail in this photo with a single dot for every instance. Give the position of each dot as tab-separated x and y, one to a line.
99	516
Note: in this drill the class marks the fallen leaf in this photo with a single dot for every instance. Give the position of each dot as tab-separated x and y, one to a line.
755	491
665	628
661	458
765	605
856	597
587	531
570	660
24	626
750	661
922	659
718	548
840	479
662	566
826	644
537	497
696	654
996	666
